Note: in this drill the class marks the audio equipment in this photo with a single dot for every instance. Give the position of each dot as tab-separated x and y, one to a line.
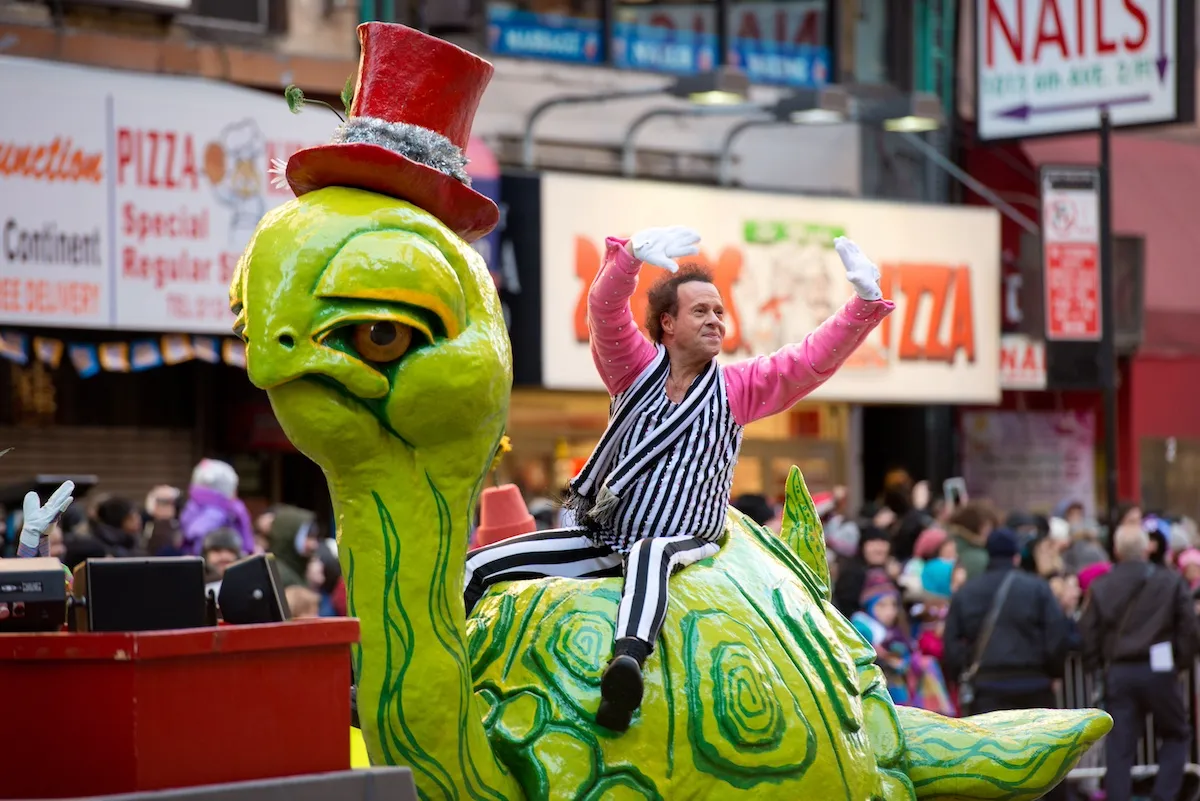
33	595
252	592
139	594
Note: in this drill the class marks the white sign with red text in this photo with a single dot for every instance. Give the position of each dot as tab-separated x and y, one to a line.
1022	362
127	199
1048	66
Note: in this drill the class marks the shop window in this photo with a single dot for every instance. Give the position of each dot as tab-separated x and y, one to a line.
1170	472
675	37
560	30
783	42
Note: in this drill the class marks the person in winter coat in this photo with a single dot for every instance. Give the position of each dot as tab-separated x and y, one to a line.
874	551
971	525
294	539
118	527
212	504
1028	645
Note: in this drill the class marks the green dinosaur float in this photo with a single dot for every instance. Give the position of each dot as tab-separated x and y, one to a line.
378	335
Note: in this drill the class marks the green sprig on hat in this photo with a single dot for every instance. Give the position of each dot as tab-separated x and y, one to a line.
295	98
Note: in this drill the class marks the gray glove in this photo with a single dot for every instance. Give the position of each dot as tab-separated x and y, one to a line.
662	246
860	271
38	519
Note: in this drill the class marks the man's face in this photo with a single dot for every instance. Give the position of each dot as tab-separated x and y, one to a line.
218	560
699	327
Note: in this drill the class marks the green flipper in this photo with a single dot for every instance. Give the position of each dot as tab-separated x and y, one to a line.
1002	756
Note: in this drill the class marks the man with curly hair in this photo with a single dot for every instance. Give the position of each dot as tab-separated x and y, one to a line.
652	497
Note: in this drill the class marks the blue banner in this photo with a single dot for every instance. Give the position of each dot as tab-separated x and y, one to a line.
780	63
661	49
549	36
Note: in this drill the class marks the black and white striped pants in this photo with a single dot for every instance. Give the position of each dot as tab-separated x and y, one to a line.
571	553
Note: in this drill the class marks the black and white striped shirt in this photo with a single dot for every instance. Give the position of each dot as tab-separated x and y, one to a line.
686	492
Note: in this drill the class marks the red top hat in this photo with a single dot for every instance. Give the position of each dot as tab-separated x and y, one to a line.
408	128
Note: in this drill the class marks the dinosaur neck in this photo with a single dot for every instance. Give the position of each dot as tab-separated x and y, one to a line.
402	543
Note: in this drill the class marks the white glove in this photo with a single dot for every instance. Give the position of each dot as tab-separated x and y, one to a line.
662	246
860	272
38	519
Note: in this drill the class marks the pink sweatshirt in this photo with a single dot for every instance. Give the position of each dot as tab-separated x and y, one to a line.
757	387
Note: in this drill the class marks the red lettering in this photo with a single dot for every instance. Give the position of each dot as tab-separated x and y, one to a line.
993	16
124	152
1008	359
809	32
748	28
1080	28
1139	14
160	159
1044	36
1102	45
1030	361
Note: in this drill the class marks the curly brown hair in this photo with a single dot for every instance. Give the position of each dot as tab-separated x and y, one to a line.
664	296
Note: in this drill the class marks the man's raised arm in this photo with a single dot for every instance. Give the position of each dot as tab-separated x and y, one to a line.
767	385
619	348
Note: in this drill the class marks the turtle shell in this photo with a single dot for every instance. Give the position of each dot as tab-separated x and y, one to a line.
757	685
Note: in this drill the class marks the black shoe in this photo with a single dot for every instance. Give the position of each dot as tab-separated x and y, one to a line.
611	718
620	692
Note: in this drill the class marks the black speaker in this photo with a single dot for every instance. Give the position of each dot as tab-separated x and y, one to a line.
252	592
151	594
33	595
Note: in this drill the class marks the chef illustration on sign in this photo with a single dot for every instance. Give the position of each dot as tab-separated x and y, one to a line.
234	165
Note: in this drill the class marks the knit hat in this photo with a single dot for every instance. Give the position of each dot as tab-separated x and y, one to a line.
842	538
929	543
502	514
1189	558
1092	572
876	586
871	533
1002	544
936	577
755	507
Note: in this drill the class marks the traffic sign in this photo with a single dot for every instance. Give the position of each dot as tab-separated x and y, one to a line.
1049	66
1071	235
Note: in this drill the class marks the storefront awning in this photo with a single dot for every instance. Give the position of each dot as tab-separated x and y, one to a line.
1156	194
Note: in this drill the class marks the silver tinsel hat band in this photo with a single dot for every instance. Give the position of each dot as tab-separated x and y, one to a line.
411	141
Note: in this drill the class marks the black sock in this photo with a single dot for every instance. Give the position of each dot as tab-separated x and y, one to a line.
632	646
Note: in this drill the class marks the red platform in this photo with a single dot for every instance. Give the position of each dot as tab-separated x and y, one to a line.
94	714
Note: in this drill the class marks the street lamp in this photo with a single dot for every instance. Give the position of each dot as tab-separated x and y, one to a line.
628	146
916	113
825	106
724	86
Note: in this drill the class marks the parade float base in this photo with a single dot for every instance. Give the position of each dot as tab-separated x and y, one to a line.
97	714
394	784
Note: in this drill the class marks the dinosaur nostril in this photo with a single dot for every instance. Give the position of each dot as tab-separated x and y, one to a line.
287	341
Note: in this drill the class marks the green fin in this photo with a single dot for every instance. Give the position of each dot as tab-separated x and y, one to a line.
1001	756
802	530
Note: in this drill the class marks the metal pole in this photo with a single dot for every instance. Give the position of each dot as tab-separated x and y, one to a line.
725	160
570	100
1108	350
970	183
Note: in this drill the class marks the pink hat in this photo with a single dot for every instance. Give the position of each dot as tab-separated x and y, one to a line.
1091	573
502	514
929	543
1189	557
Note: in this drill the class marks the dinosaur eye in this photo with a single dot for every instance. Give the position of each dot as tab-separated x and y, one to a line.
383	341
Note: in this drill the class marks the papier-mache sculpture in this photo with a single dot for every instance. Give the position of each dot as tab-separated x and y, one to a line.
377	333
